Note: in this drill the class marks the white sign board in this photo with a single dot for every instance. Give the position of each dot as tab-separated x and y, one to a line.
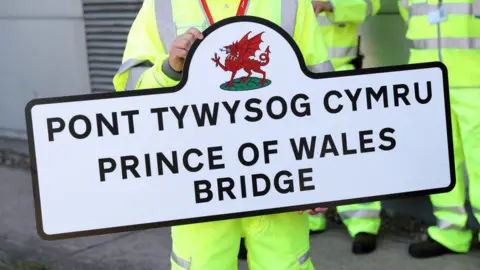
209	150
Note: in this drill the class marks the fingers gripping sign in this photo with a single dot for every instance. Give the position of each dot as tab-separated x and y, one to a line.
181	46
314	211
319	7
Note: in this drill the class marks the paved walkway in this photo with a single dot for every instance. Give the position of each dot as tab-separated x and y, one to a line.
150	249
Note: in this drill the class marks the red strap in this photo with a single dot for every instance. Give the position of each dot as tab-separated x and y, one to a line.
242	8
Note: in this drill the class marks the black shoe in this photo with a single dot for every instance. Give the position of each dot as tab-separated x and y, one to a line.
242	253
364	243
316	232
428	249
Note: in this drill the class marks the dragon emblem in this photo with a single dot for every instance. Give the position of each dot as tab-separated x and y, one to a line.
241	56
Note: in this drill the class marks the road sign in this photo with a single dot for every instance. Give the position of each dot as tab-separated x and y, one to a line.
248	131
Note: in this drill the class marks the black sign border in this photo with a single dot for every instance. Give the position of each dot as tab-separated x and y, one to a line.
179	86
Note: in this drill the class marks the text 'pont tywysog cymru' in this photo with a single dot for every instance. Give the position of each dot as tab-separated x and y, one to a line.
190	117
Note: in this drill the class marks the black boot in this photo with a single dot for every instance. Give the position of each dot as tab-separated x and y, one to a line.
316	232
242	253
364	243
428	249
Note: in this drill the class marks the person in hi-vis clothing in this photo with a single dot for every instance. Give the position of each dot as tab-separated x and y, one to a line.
154	58
449	31
339	21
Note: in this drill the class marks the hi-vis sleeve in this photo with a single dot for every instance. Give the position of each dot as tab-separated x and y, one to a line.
353	11
144	55
309	38
403	9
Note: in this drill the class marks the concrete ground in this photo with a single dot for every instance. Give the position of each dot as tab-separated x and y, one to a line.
150	249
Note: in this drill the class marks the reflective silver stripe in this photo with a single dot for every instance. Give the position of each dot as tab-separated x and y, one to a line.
404	3
129	64
304	258
362	213
476	8
476	211
446	225
133	77
322	67
369	7
450	8
338	52
456	209
246	8
289	15
447	43
136	71
324	21
207	21
166	27
180	262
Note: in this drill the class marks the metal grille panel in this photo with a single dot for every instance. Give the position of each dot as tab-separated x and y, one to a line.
107	23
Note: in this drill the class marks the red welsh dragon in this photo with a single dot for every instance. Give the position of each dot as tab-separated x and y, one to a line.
241	55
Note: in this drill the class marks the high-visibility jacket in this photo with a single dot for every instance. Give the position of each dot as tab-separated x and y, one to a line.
449	31
159	22
213	245
340	28
446	31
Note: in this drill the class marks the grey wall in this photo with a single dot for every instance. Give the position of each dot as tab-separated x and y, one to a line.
43	53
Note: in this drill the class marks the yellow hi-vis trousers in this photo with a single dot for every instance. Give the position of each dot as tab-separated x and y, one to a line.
358	218
449	208
279	242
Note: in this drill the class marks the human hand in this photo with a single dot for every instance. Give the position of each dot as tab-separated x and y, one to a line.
320	7
315	211
180	47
